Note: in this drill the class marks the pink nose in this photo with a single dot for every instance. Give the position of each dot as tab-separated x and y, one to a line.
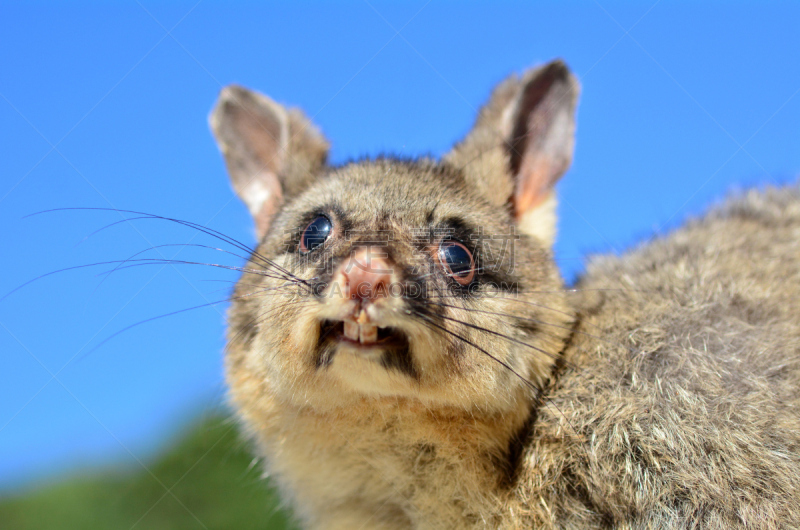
367	274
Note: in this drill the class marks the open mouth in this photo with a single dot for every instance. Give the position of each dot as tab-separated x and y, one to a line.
363	335
386	345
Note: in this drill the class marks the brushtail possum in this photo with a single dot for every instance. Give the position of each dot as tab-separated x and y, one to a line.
404	354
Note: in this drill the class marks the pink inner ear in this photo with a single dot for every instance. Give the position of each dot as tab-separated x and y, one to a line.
272	202
533	183
542	138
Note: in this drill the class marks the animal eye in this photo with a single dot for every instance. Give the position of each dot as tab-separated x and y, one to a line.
457	261
315	234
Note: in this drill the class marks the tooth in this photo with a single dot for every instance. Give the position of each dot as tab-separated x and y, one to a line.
368	333
351	330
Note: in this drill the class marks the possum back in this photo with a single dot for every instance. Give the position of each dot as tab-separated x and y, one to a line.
679	404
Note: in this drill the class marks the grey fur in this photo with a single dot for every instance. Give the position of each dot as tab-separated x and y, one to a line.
661	392
686	412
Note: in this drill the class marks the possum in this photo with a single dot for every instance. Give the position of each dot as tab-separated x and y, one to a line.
404	354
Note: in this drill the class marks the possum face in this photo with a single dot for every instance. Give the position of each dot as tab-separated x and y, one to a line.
420	280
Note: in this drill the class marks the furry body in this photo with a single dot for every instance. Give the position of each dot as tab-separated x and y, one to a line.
661	392
686	413
679	406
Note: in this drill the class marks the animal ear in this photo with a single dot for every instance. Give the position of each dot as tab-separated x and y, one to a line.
272	153
522	143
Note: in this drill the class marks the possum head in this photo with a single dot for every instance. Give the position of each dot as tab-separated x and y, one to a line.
424	280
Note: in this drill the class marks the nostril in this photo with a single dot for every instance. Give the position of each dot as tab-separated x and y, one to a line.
367	287
367	274
366	284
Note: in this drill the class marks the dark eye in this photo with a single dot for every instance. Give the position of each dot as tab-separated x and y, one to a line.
315	234
457	261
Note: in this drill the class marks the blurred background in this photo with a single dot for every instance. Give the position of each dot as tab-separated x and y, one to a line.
111	418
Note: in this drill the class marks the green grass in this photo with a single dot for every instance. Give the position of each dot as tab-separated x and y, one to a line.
209	472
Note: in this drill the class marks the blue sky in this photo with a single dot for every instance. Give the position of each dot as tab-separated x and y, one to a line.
105	104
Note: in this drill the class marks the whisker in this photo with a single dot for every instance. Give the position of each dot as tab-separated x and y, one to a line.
172	313
160	261
502	335
209	231
103	228
517	290
536	320
431	322
167	245
539	396
240	282
583	322
51	273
